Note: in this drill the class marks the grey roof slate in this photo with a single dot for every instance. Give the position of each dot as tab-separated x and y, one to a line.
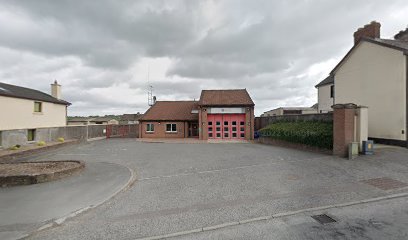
399	44
9	90
326	81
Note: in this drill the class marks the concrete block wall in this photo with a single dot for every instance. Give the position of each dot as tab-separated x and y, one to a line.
10	138
13	137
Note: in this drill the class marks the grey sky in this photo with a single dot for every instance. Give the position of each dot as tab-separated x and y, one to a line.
100	50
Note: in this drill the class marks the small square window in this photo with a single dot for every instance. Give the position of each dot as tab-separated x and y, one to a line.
218	135
171	127
226	123
242	135
210	135
234	123
210	129
38	107
218	123
234	129
150	127
30	135
242	123
218	129
225	135
234	135
226	129
242	129
209	123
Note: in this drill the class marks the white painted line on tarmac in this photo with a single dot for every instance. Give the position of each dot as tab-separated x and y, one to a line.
170	235
75	154
228	169
223	225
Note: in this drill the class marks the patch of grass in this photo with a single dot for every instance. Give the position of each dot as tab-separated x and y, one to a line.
41	143
317	134
61	139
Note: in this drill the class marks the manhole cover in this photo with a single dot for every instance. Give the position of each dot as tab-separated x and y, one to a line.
323	218
384	183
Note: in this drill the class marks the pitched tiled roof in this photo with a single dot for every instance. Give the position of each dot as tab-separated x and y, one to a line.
230	97
9	90
171	111
130	117
398	44
328	80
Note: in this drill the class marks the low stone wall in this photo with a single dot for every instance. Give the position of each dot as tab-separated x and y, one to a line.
7	180
261	122
11	138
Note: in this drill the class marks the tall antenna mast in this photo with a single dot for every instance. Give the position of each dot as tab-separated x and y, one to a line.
150	100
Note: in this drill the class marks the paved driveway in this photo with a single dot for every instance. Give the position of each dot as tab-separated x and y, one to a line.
189	186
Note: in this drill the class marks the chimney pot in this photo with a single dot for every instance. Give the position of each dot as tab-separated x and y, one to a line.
371	30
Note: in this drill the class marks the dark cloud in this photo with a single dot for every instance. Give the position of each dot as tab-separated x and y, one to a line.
100	50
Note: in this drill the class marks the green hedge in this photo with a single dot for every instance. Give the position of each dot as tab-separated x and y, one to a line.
317	134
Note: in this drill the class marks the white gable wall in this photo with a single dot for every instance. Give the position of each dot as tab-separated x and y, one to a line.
17	113
374	76
324	100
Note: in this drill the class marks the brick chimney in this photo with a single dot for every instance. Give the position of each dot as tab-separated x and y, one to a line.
402	35
56	90
371	30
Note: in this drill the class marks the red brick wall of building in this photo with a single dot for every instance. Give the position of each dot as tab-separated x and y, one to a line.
202	124
250	123
160	130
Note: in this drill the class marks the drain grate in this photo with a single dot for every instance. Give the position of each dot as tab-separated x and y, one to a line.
323	218
385	183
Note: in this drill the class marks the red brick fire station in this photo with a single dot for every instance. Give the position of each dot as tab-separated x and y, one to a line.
219	114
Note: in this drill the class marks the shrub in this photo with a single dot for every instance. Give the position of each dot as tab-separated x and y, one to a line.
41	143
15	147
61	139
317	134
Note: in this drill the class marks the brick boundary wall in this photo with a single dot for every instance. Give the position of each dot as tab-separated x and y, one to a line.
343	127
261	122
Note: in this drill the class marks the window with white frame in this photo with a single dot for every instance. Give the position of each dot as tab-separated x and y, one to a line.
150	127
171	127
